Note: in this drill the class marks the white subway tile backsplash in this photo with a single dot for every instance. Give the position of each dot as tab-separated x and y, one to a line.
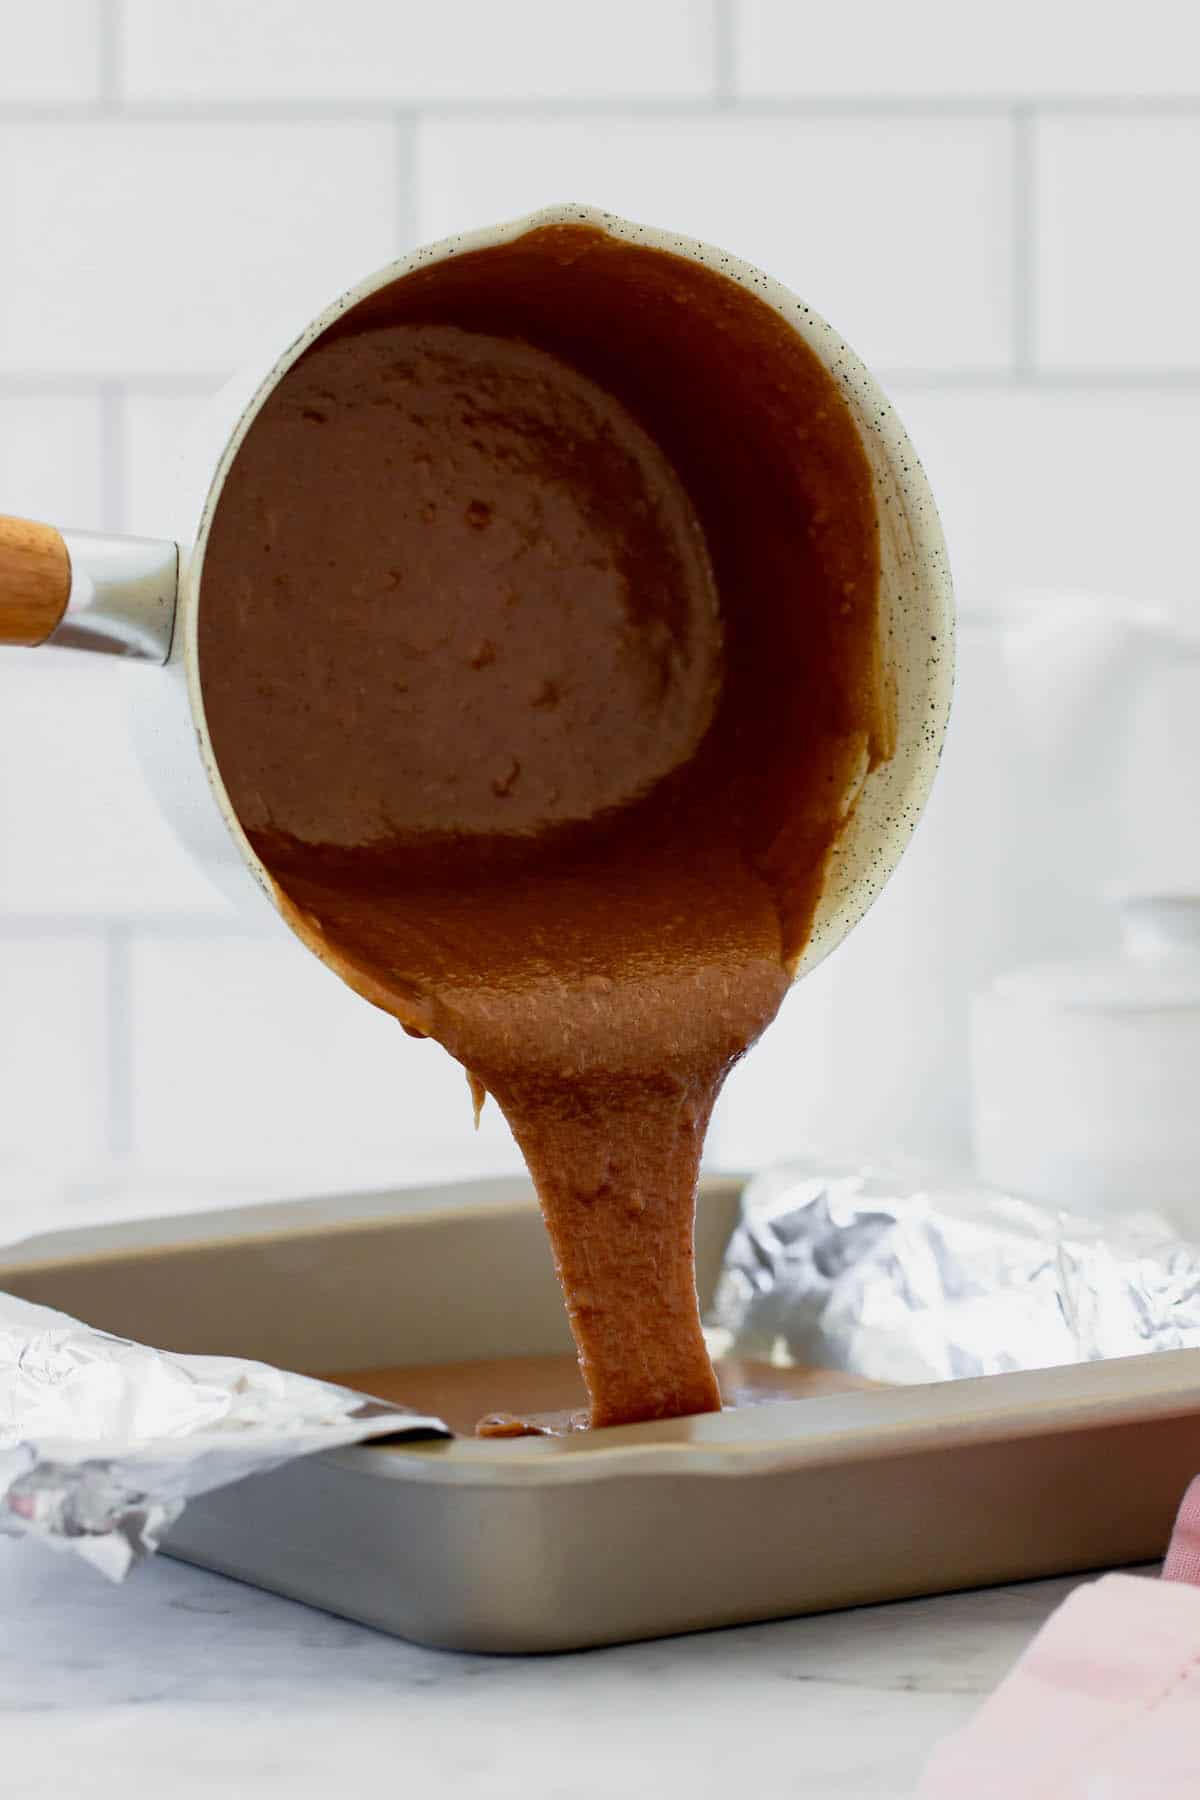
177	174
1023	50
167	248
51	52
1071	487
53	1049
1118	277
897	229
253	1060
155	432
394	50
51	453
780	1099
80	832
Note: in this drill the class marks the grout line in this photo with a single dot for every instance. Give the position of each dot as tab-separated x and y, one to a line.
114	500
93	387
181	926
1023	269
982	381
350	112
485	108
724	54
118	1067
109	58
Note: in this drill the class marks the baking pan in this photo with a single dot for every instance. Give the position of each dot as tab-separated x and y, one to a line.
554	1544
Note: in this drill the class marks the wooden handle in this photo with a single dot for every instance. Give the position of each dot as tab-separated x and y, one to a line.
35	581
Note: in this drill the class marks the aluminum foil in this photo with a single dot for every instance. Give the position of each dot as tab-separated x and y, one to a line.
103	1441
905	1276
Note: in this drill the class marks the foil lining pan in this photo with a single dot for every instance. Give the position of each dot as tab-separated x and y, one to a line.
103	1441
907	1275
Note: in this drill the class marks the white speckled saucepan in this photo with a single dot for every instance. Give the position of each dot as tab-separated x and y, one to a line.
141	598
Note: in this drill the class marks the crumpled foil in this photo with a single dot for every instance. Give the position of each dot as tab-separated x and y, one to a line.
103	1441
904	1276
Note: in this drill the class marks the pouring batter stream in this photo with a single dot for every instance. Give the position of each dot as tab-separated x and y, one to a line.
539	648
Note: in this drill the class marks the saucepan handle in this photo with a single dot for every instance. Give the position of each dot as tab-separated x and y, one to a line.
35	581
79	590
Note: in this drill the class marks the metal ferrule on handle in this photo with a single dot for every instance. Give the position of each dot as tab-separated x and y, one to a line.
122	599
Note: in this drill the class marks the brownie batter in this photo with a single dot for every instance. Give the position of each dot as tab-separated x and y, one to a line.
526	1396
538	643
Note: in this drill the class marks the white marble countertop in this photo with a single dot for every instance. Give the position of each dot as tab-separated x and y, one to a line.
183	1684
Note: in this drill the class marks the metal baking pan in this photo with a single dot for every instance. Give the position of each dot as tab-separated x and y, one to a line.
544	1544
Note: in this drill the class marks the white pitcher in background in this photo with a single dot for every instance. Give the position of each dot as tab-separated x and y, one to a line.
1034	817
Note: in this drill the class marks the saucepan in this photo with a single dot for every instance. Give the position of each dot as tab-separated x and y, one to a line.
142	598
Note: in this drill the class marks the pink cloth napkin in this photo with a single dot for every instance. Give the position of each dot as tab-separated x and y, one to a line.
1183	1554
1105	1703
